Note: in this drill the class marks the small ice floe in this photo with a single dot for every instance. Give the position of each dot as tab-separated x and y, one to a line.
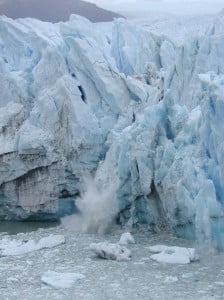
15	247
221	283
173	255
187	275
111	251
171	279
126	238
60	280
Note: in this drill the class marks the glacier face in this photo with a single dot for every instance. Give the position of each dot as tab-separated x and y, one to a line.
128	106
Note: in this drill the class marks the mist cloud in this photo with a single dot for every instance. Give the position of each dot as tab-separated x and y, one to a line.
97	208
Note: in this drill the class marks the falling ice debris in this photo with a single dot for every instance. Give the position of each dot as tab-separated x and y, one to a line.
111	251
126	238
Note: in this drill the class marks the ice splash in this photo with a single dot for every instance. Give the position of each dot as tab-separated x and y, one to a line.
97	209
111	251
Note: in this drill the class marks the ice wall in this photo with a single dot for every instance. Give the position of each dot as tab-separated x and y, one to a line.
132	108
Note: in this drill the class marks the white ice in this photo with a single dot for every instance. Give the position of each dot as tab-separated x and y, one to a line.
111	251
10	247
170	279
155	122
20	276
61	280
173	255
126	238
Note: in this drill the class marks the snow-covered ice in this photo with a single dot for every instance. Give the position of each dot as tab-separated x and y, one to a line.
126	238
111	251
60	280
10	247
173	255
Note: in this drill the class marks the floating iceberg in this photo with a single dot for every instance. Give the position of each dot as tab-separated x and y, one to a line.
111	251
61	280
173	255
15	247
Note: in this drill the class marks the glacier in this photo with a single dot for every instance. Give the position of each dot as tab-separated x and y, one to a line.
128	106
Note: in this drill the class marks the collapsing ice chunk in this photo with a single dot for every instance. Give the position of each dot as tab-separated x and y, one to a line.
111	251
126	238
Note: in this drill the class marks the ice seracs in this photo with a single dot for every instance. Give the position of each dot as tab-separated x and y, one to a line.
112	251
126	104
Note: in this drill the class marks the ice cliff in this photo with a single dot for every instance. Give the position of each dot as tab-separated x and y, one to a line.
130	107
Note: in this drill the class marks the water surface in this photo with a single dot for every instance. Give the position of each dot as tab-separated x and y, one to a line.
23	227
138	279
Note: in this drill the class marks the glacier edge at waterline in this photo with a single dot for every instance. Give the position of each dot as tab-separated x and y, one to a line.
134	109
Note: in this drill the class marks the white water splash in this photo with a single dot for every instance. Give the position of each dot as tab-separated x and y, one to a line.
97	207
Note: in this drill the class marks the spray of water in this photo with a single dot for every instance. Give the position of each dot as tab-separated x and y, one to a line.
97	207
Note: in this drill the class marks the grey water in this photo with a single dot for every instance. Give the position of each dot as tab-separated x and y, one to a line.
16	227
139	278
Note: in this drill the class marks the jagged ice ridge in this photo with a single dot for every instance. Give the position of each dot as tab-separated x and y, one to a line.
131	107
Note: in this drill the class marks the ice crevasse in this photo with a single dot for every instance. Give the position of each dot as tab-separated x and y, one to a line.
119	102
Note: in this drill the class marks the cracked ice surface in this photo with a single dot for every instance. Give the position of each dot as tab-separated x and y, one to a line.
139	278
155	128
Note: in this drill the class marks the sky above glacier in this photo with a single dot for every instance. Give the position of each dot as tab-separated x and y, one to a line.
141	8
